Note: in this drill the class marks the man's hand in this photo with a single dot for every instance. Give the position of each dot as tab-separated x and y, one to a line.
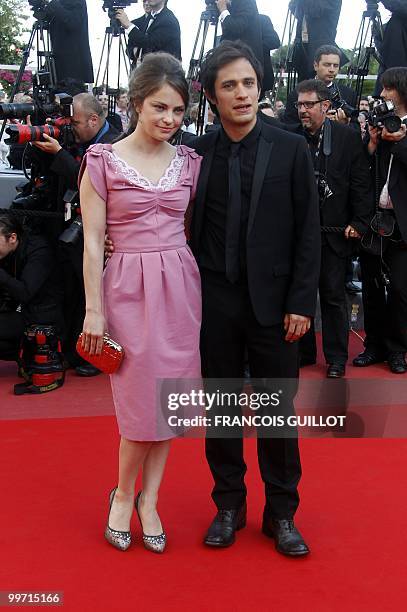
350	232
394	136
375	135
222	5
109	247
123	18
338	115
296	326
51	145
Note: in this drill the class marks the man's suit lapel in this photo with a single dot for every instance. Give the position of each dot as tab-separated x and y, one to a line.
202	188
260	169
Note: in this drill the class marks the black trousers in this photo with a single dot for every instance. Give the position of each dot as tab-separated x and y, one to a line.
385	310
229	327
334	311
12	328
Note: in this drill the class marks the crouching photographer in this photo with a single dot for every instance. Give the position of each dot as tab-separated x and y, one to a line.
30	289
384	263
89	127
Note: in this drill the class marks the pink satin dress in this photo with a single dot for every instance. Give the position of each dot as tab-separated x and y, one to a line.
151	284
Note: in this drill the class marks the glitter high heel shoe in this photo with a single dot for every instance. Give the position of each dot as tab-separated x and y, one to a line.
153	543
118	539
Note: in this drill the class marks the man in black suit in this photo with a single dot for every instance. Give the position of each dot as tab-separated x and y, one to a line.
255	234
386	316
157	30
240	20
342	173
70	39
393	48
326	66
317	22
271	41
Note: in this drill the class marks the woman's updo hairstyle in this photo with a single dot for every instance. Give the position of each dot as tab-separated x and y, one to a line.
155	71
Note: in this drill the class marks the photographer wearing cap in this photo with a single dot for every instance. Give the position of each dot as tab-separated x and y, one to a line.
343	180
69	34
327	62
30	290
157	30
386	317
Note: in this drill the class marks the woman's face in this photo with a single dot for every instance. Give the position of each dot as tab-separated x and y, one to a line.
161	114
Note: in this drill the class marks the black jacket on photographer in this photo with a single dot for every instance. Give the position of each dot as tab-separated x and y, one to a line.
29	277
393	50
70	39
347	173
152	34
271	41
244	23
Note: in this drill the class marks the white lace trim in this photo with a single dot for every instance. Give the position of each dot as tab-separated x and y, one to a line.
168	181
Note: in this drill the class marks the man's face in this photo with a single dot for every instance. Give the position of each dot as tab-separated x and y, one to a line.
85	126
147	6
364	105
104	100
7	245
327	68
156	5
122	102
311	111
393	95
280	105
237	94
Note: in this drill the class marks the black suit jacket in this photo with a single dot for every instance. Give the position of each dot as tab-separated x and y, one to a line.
271	41
394	48
244	24
70	39
163	35
348	176
283	237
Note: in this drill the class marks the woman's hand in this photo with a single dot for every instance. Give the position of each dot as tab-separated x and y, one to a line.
94	328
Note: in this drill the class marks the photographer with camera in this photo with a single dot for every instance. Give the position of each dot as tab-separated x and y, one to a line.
327	62
30	289
68	28
89	126
157	30
393	48
384	275
343	179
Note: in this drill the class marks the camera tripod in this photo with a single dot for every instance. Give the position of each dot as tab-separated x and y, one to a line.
208	18
114	32
45	60
286	64
370	31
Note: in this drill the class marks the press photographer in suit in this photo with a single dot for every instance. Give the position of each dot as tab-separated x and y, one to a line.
393	47
70	38
240	20
157	30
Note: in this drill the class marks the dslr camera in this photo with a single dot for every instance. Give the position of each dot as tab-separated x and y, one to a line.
211	12
338	102
382	114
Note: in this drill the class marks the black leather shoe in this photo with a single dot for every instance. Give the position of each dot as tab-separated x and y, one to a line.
335	370
287	538
397	363
367	358
221	533
87	369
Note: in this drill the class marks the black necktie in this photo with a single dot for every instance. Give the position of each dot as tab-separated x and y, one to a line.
233	215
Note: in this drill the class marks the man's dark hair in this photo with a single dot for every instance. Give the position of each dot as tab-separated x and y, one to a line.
9	224
314	86
396	78
326	50
226	53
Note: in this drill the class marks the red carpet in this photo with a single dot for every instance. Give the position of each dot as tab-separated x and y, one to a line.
56	474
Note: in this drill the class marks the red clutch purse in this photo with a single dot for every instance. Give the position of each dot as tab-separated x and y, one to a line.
110	358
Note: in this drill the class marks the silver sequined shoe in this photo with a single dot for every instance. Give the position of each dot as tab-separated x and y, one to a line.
118	539
153	543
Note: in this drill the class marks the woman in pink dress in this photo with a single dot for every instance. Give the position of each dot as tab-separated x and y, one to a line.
148	298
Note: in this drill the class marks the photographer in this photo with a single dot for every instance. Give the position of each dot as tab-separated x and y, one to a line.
157	30
346	201
30	290
386	316
69	34
240	20
326	65
89	127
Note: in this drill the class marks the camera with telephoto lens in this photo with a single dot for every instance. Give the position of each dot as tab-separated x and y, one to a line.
338	102
111	6
382	114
